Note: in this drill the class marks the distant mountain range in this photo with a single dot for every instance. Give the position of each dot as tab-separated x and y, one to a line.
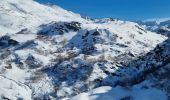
161	26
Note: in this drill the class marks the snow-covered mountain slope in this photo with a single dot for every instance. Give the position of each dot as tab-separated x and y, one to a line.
152	71
120	93
19	14
161	26
12	90
58	54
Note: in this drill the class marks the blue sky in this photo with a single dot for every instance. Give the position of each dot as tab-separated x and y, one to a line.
122	9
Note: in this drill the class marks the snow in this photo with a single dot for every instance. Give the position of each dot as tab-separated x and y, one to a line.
64	59
17	74
23	37
17	15
155	24
117	93
13	90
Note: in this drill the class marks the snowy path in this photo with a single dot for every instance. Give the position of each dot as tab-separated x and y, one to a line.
13	90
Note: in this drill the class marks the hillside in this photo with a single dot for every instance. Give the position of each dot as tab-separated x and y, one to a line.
48	53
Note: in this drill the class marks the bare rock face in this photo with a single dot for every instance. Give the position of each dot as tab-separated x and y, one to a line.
59	28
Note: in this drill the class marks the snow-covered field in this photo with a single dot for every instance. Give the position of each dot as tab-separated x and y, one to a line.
13	90
120	93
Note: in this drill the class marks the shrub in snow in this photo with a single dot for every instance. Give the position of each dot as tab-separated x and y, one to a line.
59	58
24	31
84	71
132	36
12	42
4	98
85	35
121	45
64	68
37	76
8	66
63	42
140	32
20	65
71	54
7	41
88	48
32	62
5	54
98	80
